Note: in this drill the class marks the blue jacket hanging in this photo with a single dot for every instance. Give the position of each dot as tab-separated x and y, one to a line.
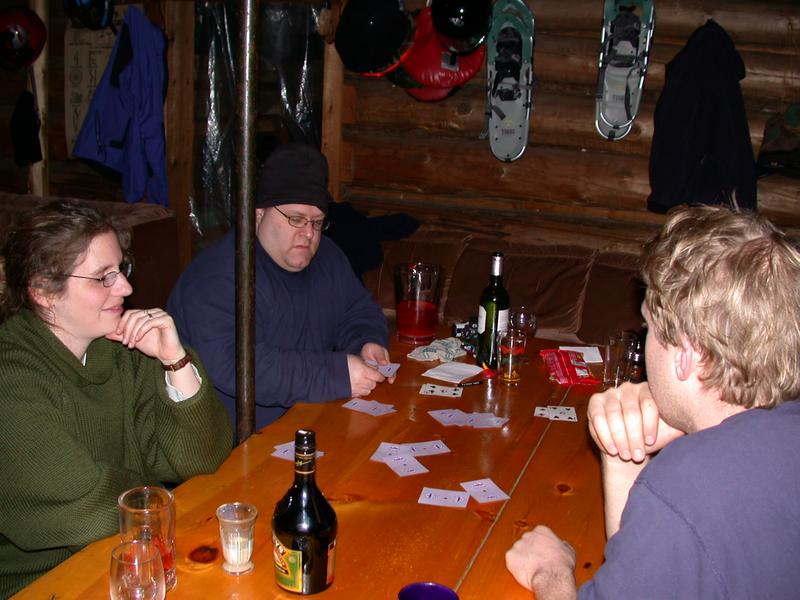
124	126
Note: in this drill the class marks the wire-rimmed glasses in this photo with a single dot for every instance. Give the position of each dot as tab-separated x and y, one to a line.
299	221
110	278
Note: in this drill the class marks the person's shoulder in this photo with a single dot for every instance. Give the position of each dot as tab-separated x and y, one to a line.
747	439
216	260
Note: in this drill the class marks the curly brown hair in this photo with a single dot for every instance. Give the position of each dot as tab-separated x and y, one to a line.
43	246
729	283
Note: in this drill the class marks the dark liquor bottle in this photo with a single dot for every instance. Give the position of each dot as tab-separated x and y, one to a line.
492	314
636	365
304	527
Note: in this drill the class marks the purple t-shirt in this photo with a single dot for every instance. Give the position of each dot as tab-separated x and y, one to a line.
715	515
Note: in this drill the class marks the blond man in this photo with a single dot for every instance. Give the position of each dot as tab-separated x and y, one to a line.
701	464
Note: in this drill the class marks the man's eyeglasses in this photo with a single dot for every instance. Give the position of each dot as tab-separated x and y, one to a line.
110	278
300	222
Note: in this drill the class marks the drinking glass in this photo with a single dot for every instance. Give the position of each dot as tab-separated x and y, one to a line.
148	513
136	572
524	319
512	351
619	349
236	522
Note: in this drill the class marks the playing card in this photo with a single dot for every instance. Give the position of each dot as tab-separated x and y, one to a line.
449	416
563	413
485	421
385	370
286	451
370	407
428	448
542	411
387	450
436	497
484	490
405	465
453	372
431	389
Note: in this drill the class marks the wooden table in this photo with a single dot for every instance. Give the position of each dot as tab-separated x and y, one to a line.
386	539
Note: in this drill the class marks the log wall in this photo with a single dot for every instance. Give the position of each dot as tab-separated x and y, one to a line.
571	184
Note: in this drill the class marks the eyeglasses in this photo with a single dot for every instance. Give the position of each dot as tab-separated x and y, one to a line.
300	222
110	278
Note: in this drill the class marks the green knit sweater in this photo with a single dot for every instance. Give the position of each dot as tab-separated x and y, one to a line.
73	437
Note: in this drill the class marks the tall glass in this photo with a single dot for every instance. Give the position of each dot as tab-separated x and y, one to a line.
148	513
416	290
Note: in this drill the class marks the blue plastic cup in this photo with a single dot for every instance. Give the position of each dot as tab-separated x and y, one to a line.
426	590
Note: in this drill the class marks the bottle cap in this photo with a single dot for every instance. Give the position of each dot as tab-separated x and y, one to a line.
304	439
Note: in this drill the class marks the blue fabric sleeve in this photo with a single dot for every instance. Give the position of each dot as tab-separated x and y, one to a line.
656	554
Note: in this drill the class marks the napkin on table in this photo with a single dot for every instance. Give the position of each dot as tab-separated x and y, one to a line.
443	350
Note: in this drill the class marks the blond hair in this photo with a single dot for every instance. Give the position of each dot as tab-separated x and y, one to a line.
729	283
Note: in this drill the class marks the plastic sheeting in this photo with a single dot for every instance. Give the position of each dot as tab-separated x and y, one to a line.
289	97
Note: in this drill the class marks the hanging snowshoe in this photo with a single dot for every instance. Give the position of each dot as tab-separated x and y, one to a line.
509	79
624	54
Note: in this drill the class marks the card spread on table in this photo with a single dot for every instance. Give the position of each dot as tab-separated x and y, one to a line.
456	417
405	465
431	389
387	450
556	413
484	490
449	416
286	451
370	407
453	372
591	354
385	370
436	497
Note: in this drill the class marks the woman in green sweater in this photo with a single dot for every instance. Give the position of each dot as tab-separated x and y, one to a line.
94	399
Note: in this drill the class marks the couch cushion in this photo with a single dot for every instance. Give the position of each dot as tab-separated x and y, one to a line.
614	294
549	278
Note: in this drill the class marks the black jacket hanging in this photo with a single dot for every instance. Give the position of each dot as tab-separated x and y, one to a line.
701	150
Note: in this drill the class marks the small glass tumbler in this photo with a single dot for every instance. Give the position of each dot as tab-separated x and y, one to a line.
236	524
136	572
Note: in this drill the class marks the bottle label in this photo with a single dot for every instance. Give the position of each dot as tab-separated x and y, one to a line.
481	320
289	566
502	320
331	556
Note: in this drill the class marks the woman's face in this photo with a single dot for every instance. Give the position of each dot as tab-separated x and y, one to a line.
86	310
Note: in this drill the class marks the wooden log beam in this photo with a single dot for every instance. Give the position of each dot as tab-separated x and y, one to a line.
439	166
179	120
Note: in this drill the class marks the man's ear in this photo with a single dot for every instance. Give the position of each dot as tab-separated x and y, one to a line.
687	360
259	215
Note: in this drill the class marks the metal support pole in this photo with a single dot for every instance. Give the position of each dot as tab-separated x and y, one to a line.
245	226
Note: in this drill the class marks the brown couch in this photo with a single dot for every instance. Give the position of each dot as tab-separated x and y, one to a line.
579	293
154	244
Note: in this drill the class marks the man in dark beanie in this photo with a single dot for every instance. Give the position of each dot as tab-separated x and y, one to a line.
316	324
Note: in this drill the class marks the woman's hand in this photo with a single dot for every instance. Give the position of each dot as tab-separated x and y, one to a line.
152	332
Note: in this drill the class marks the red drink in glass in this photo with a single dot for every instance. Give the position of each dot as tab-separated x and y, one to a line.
416	321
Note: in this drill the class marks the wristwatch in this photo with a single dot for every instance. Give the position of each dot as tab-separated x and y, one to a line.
178	364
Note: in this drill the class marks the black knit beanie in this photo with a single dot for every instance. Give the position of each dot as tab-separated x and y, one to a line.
294	174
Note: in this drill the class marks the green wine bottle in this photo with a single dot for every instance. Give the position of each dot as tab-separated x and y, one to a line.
304	527
492	314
